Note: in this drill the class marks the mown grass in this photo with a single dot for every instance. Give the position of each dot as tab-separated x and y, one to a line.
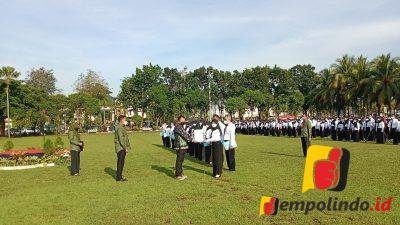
266	166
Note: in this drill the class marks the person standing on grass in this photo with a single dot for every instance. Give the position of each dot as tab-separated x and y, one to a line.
215	140
181	146
230	143
122	145
76	148
306	129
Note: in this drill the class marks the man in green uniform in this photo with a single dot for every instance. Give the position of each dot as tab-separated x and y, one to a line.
122	145
76	148
305	134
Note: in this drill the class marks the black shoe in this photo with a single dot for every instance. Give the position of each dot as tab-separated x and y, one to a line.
122	179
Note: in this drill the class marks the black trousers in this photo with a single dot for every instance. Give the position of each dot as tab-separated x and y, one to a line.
191	148
230	159
217	157
120	163
164	141
167	142
180	157
198	151
75	162
395	137
305	143
207	151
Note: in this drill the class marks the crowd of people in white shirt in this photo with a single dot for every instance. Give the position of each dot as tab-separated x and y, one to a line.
371	128
207	141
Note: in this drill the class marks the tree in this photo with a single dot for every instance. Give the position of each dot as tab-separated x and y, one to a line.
93	84
8	73
384	81
253	98
306	79
236	104
85	107
43	79
135	89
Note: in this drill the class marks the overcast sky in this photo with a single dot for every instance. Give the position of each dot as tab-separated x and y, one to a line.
114	37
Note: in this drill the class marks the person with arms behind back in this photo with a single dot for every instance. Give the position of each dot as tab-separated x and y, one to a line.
122	145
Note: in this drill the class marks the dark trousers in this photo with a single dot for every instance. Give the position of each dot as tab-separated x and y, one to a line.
207	151
75	162
198	151
120	163
191	148
217	157
230	159
167	142
180	157
395	136
305	143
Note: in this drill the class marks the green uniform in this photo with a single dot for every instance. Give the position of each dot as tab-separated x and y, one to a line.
306	129
121	138
74	140
305	136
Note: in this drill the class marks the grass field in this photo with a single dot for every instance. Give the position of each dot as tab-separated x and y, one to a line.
266	166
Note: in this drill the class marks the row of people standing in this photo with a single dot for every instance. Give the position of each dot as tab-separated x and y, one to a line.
372	128
199	139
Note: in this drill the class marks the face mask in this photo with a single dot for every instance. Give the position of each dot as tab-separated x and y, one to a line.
213	125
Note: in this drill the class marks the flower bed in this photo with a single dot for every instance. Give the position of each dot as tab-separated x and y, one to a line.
28	157
28	152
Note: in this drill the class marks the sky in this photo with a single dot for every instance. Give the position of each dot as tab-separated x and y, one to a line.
113	37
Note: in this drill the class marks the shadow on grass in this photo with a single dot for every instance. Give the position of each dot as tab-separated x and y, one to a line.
167	171
281	154
110	171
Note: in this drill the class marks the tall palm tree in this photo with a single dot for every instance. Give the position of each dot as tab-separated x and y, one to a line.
359	90
383	84
339	84
8	73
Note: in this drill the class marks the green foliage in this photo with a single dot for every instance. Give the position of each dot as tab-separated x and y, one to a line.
137	120
48	147
8	145
59	143
236	104
43	79
93	84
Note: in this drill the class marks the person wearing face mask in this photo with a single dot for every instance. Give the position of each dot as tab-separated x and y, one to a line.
76	148
230	143
181	146
122	145
216	138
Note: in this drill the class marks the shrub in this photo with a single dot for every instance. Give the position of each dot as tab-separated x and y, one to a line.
58	143
48	147
8	145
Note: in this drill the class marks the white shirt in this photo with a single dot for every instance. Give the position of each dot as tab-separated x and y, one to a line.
230	135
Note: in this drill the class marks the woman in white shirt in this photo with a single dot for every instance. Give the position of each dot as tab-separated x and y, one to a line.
230	143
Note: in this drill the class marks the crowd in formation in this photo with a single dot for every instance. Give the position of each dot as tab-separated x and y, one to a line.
205	141
372	128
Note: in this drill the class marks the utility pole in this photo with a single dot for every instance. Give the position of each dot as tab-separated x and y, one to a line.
8	111
209	75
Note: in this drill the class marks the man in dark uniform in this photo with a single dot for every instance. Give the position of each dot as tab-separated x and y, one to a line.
76	148
122	145
181	146
305	134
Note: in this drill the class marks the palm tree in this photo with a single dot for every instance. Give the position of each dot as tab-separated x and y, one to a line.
359	90
383	84
339	83
8	73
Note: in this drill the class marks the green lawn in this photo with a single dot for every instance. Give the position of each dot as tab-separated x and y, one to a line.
268	166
